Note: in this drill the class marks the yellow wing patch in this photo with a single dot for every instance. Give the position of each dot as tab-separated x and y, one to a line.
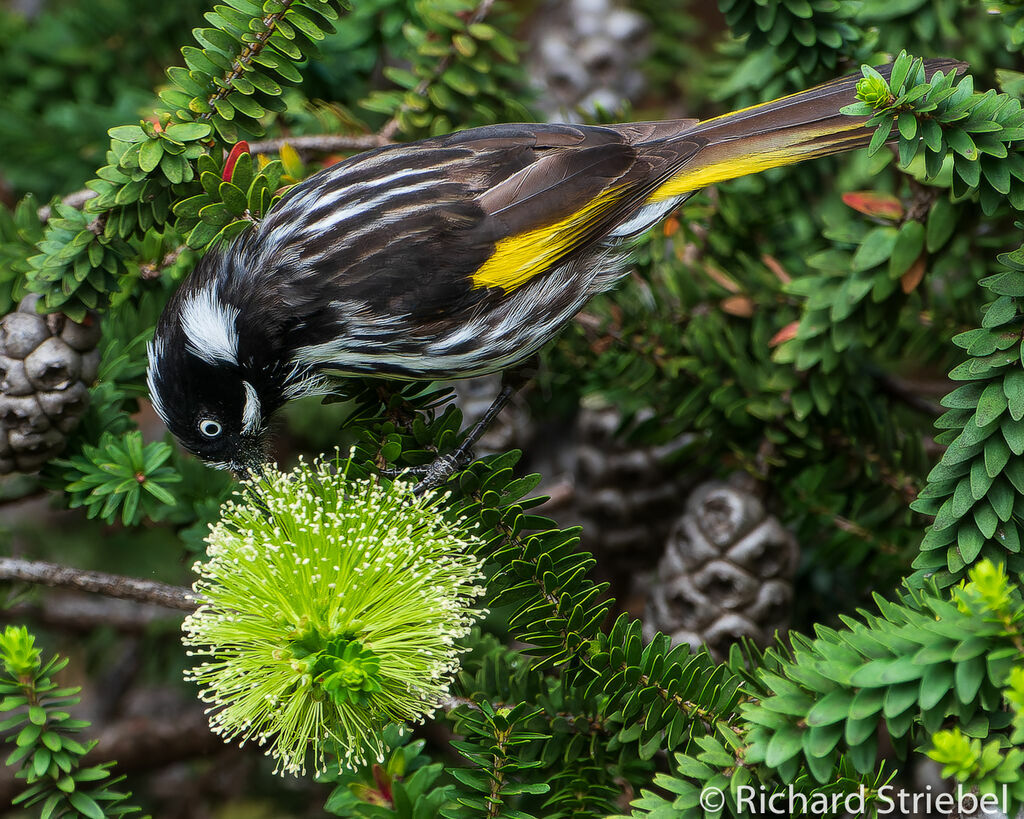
705	175
517	259
747	156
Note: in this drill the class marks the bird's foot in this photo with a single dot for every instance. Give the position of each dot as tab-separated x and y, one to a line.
440	470
437	473
443	467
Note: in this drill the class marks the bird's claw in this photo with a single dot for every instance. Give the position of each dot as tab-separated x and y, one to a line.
434	474
441	469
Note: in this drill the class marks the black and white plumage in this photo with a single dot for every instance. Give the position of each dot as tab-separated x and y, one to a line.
446	258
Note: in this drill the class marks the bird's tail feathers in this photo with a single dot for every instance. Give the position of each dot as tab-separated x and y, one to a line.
781	132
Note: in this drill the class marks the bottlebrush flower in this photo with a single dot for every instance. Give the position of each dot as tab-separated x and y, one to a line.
332	607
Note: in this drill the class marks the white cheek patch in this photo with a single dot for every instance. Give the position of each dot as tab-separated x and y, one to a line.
209	326
251	411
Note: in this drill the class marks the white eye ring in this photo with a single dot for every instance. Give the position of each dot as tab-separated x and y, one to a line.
209	428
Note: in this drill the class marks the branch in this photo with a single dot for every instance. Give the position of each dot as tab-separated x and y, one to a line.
321	143
77	613
901	391
76	200
110	585
318	143
143	743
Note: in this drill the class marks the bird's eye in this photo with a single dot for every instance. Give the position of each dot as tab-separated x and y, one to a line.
209	428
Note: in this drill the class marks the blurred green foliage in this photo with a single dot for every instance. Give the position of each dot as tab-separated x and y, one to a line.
780	325
70	73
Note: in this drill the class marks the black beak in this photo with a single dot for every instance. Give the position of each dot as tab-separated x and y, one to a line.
251	471
250	456
247	470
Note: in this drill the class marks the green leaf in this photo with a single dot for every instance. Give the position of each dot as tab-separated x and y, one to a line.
1013	388
187	131
200	61
877	246
263	83
821	741
201	235
52	741
886	672
935	684
980	480
968	678
997	453
907	123
986	518
964	397
236	201
216	214
1002	498
960	141
833	707
127	133
879	137
784	744
150	154
963	498
304	25
247	105
942	221
189	208
997	174
991	405
866	703
1013	432
1009	283
969	541
85	805
908	246
217	38
1000	312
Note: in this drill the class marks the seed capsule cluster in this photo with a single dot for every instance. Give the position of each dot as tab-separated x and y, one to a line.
726	574
46	366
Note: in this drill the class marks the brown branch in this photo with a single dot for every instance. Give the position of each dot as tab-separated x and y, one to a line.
391	127
77	613
31	493
321	143
109	585
145	743
901	391
315	143
76	200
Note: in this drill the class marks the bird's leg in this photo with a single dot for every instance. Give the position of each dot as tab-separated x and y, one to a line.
438	471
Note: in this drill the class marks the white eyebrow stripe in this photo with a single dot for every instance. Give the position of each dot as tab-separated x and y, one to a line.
209	326
251	412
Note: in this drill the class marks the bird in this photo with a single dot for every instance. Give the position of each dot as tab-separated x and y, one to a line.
445	258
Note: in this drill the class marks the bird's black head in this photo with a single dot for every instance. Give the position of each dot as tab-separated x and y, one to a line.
206	380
